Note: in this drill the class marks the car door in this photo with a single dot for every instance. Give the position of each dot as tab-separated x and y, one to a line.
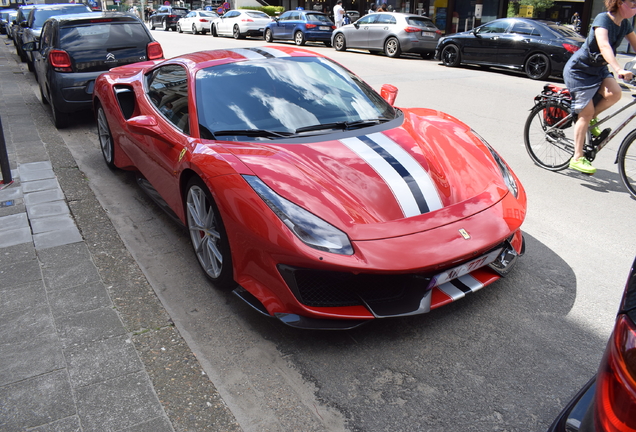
517	42
357	34
40	55
186	21
227	22
278	26
483	45
161	146
291	23
379	30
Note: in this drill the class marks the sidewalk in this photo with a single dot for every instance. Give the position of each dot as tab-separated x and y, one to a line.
85	345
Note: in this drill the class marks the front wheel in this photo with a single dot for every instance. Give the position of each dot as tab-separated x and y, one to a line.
194	29
537	66
179	29
236	32
208	235
299	38
105	137
548	135
213	31
339	42
268	36
392	47
451	57
627	162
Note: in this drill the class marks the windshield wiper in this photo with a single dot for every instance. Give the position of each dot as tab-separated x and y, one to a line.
253	133
344	125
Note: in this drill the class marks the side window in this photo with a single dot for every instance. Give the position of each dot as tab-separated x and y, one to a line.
46	40
284	17
168	91
495	27
294	16
385	19
191	15
523	28
369	19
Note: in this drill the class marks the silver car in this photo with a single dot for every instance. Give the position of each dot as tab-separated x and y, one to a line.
392	32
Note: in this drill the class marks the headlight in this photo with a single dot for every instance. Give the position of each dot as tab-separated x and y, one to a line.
503	167
309	228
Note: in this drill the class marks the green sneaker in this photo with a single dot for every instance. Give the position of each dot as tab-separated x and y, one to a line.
583	165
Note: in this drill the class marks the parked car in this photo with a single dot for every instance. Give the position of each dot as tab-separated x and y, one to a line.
8	21
20	18
301	26
75	49
539	48
39	14
353	15
240	23
4	18
327	205
390	32
607	403
196	22
167	17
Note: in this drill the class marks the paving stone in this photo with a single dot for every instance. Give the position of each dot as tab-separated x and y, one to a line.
89	326
37	166
80	298
15	237
69	424
20	297
30	357
57	238
21	272
40	185
10	193
100	361
159	424
53	223
21	410
36	175
16	326
14	221
54	208
45	196
15	254
120	403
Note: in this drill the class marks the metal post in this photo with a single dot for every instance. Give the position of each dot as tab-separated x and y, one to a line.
4	161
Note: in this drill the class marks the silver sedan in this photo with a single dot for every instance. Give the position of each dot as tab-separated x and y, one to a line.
391	32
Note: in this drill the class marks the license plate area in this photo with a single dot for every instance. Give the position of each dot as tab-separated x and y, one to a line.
325	28
428	34
464	269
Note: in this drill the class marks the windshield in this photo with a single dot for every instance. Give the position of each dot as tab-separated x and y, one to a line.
564	31
283	95
43	15
318	17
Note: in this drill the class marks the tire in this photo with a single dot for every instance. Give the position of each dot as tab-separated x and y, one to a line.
60	119
105	138
213	31
626	160
164	24
179	29
550	147
194	29
537	66
451	56
392	47
339	42
236	32
208	235
299	38
327	44
45	101
268	36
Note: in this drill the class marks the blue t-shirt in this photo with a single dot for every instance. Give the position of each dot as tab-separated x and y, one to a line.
615	33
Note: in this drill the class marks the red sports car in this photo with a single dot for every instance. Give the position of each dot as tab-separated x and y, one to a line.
314	197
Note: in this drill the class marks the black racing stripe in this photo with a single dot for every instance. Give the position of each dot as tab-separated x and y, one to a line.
261	52
402	171
461	286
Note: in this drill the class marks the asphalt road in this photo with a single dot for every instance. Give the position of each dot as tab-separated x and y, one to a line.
506	358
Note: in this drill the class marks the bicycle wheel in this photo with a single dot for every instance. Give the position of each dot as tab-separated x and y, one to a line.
627	162
550	143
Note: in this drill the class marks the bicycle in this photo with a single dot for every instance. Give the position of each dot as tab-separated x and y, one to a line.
549	137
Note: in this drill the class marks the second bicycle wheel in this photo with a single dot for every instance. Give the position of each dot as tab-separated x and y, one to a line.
627	162
548	135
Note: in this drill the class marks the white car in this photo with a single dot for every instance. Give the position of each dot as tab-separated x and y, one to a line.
240	23
196	22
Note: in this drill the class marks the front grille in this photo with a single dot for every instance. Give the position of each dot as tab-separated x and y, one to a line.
320	288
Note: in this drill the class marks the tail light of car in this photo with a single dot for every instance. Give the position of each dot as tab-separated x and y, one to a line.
203	20
616	381
410	29
247	20
310	26
172	16
154	51
60	61
570	48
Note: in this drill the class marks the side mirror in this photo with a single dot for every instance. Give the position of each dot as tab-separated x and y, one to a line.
356	25
30	46
475	32
145	125
23	24
389	93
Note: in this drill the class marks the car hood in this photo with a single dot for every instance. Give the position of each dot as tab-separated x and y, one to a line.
430	171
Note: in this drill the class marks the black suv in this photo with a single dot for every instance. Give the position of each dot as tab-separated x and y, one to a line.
40	13
166	17
75	49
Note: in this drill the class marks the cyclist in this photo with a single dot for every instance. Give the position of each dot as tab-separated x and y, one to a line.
590	82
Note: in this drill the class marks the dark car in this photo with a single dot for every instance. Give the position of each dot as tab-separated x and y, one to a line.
39	14
539	48
4	19
301	26
21	17
75	49
607	403
166	17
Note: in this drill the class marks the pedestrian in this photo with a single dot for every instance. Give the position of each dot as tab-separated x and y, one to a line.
338	14
592	86
371	8
382	8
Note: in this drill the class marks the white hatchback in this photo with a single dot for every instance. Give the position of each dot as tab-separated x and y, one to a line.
196	22
240	23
